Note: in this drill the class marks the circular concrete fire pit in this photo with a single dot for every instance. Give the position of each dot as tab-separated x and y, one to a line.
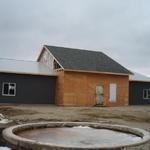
73	136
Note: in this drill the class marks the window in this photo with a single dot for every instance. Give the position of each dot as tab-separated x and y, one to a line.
146	93
9	89
112	92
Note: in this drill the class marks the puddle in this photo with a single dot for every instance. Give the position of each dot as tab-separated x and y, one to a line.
80	137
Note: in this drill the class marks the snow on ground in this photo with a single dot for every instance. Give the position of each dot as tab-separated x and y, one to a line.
4	148
4	120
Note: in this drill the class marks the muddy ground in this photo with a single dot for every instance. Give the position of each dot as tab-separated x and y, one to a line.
134	116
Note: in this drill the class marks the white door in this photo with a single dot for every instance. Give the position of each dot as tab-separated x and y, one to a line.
112	92
99	94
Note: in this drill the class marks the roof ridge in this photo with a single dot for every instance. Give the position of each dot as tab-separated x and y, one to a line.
73	48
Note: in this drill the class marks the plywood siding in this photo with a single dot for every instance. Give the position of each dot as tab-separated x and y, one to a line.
79	89
136	89
59	88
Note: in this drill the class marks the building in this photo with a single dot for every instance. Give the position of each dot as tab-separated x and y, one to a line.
26	82
86	78
65	76
139	89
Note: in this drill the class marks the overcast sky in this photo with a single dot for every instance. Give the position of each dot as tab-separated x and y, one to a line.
119	28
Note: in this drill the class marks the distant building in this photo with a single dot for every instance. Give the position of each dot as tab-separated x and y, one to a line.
139	89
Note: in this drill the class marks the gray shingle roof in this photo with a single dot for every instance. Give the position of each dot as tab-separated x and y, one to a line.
85	60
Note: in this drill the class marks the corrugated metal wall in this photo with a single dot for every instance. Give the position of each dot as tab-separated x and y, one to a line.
30	89
136	93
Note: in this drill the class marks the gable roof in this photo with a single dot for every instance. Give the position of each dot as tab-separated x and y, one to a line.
139	77
85	60
24	67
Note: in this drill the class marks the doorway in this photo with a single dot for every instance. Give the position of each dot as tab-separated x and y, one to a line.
112	92
99	94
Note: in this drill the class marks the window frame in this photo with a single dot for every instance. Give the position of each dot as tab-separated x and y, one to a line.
8	89
147	94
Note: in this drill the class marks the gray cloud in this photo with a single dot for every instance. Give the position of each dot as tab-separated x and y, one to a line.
118	28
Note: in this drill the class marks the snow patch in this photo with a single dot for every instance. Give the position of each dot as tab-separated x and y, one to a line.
4	120
81	127
4	148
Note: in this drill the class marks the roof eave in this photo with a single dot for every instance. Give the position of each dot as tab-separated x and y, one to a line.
28	73
138	81
98	72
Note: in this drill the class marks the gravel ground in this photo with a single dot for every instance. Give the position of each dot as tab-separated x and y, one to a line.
134	116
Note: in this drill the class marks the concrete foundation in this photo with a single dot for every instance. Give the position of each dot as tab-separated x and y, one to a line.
11	135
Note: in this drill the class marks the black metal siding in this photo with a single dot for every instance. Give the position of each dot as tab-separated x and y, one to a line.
30	89
136	93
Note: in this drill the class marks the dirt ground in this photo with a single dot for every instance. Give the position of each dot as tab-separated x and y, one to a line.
134	116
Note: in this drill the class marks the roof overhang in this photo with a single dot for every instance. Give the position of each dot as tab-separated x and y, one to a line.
137	77
138	81
97	72
28	73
